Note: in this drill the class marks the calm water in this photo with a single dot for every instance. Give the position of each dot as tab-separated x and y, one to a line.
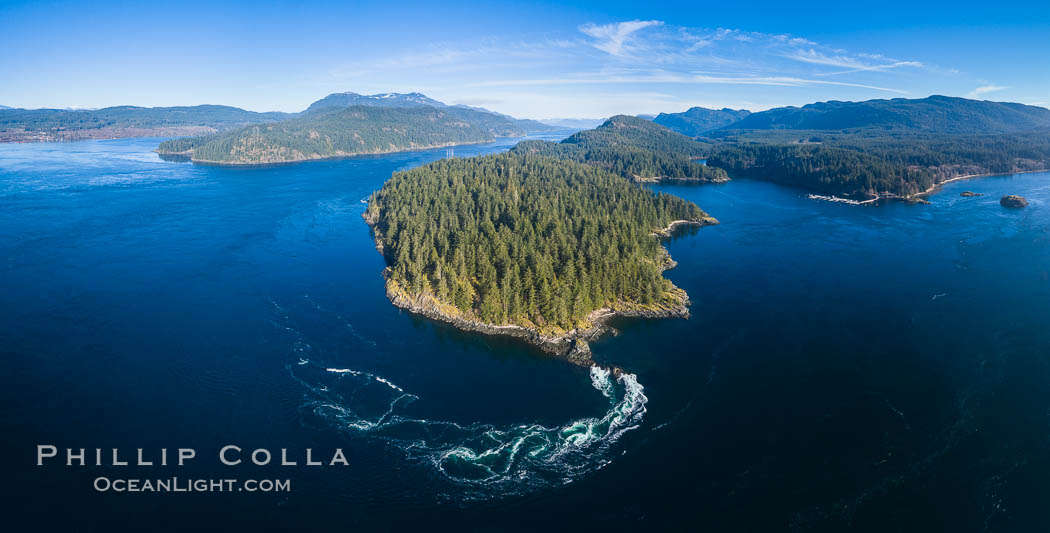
878	367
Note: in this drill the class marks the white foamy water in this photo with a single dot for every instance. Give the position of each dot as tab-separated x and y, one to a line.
483	460
489	460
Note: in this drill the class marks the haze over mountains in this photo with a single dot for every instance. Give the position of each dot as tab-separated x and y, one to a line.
575	123
131	121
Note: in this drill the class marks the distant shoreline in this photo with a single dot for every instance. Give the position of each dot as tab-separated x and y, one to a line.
101	134
936	186
210	163
919	195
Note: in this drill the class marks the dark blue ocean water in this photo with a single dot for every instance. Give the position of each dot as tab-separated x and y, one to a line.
878	367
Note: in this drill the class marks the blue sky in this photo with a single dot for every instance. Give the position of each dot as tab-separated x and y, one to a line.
529	59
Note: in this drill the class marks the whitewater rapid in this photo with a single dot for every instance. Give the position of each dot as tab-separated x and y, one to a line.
485	460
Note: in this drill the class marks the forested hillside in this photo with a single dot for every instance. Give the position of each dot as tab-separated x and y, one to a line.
634	148
216	116
525	239
865	166
699	120
342	132
124	121
634	132
936	114
22	125
883	148
348	99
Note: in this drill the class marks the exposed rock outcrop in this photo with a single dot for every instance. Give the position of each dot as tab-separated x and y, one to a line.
571	345
1012	200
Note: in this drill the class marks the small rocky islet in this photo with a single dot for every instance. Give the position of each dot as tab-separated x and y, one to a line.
1013	201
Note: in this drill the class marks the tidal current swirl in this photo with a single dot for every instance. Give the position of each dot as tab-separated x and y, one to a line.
485	460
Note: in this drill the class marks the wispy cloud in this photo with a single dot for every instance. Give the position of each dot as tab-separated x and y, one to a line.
670	78
851	64
613	38
640	57
985	89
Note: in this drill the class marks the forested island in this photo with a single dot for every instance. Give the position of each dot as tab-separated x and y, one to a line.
527	245
634	148
333	132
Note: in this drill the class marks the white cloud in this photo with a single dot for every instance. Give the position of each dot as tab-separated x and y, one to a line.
852	64
985	89
672	78
612	38
692	64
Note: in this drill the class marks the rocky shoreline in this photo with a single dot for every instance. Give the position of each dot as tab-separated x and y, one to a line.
679	180
669	230
572	345
918	197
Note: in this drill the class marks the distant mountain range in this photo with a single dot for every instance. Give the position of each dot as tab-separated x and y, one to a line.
348	99
936	114
414	100
900	148
575	123
699	120
131	121
215	116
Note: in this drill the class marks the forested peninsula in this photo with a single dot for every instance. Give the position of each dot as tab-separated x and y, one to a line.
527	245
